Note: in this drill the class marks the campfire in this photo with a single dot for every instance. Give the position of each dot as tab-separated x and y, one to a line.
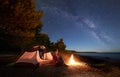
72	62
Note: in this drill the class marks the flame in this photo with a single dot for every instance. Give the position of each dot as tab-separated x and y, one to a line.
72	61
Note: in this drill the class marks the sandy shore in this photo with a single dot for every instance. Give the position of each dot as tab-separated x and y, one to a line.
92	68
51	71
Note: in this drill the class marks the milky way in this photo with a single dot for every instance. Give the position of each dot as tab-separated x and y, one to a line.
83	24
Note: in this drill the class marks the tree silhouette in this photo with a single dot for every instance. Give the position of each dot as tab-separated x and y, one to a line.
19	22
60	45
42	39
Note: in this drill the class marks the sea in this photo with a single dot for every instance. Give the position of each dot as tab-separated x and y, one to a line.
102	55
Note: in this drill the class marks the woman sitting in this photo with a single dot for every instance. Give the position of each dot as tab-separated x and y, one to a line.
57	59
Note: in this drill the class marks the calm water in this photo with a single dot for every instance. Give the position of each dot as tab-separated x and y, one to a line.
107	55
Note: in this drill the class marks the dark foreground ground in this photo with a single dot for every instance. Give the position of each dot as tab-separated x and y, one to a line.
92	68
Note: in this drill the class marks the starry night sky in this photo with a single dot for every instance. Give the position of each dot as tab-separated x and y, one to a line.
85	25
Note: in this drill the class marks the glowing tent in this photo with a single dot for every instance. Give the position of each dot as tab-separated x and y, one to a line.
33	56
30	57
